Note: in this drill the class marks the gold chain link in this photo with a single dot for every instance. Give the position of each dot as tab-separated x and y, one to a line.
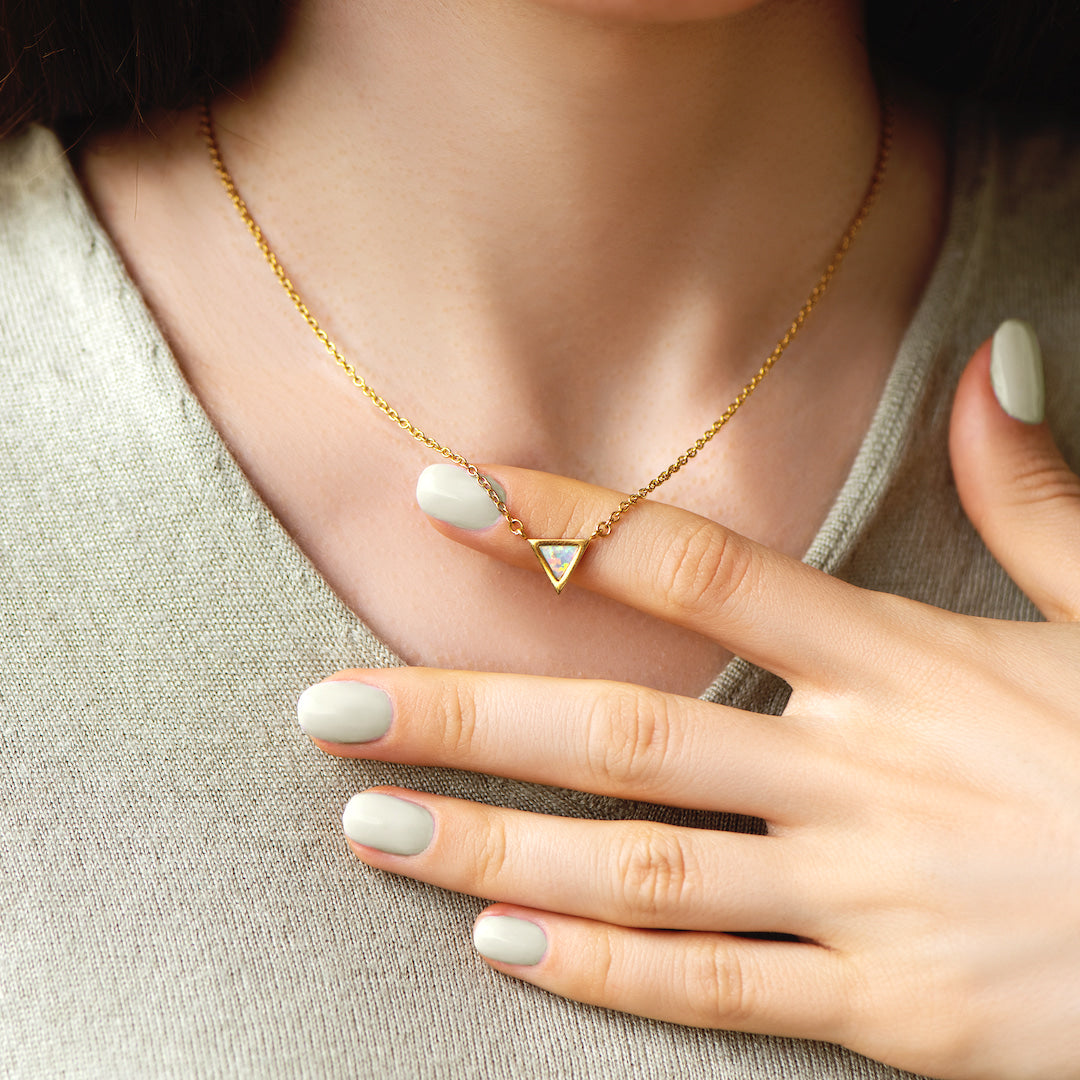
516	527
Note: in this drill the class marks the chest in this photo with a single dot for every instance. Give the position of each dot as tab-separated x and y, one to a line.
341	480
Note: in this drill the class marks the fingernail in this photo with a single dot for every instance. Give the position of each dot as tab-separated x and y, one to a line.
448	493
509	941
344	712
1016	371
388	824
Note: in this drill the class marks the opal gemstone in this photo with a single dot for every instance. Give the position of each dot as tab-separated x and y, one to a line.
559	557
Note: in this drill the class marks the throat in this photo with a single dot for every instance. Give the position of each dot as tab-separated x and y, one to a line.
582	196
562	343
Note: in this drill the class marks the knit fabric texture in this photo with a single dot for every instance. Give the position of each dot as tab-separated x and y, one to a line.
176	899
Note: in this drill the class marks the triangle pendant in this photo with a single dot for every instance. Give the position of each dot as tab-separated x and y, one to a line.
558	558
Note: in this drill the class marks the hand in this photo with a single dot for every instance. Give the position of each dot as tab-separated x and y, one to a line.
922	790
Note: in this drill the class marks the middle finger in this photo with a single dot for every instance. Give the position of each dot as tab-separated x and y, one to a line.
606	738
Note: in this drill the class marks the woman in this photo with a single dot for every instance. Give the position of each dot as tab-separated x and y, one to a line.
551	232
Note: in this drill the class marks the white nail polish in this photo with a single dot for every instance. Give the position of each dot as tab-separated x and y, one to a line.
396	826
1016	371
509	941
450	494
344	712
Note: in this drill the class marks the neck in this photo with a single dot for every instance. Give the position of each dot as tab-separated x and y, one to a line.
552	187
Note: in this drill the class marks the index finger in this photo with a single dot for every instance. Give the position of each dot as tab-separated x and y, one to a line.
770	609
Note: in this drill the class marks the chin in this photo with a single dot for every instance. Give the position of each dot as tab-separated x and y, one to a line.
654	11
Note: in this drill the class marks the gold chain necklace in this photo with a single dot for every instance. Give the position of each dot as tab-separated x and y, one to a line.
560	556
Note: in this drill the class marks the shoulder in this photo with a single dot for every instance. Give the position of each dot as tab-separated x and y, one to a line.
32	168
44	220
1037	163
53	260
66	299
82	365
1033	199
1026	247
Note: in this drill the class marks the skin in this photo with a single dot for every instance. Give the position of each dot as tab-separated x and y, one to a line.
924	830
449	246
539	214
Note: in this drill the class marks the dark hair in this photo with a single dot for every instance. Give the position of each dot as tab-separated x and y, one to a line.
1019	55
69	62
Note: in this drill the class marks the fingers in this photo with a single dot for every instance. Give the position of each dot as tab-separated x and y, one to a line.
772	610
1012	481
612	739
705	980
633	873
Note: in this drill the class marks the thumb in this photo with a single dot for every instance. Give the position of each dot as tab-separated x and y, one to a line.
1013	483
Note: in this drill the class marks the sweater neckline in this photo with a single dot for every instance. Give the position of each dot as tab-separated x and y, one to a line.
922	348
879	455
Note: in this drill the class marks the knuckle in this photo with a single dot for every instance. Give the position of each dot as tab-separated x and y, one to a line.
706	565
628	737
489	857
600	978
458	708
724	986
1041	480
653	868
576	513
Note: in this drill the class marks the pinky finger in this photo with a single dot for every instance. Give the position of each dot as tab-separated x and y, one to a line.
698	979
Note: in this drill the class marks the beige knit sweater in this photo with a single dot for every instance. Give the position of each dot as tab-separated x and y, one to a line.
176	899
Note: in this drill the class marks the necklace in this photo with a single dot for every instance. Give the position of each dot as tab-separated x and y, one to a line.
559	556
